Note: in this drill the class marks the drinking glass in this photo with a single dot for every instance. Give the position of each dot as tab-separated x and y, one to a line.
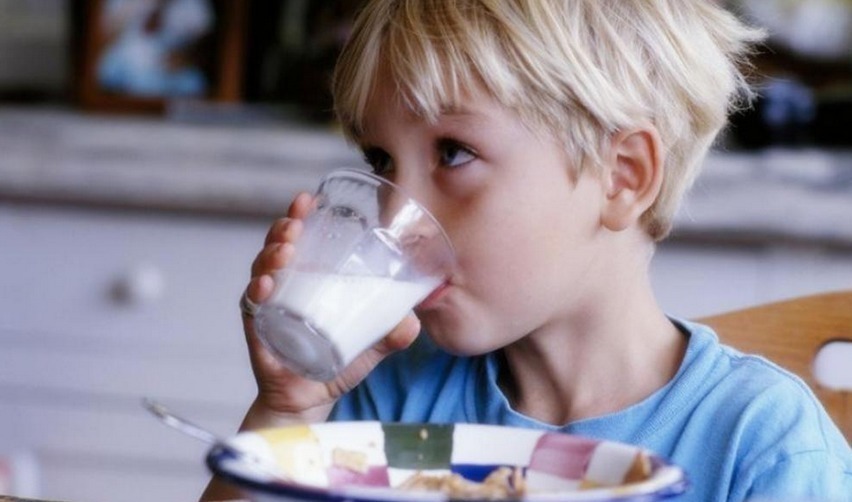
367	255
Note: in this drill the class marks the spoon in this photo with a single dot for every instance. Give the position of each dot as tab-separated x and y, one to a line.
190	429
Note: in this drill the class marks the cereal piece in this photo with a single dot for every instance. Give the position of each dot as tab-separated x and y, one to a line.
640	470
354	461
502	483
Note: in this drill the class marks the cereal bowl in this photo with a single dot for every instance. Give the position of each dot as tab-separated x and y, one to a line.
374	461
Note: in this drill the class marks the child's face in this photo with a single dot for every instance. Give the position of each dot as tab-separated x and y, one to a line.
525	234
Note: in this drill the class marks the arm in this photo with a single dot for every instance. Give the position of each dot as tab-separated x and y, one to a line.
284	397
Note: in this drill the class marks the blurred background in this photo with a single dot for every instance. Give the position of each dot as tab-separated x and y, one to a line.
146	145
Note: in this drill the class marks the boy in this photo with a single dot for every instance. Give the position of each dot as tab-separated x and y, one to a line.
553	140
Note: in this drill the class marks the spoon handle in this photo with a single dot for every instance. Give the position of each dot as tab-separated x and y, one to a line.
181	424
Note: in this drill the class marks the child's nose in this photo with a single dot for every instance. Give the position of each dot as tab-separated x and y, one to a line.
414	231
404	202
404	217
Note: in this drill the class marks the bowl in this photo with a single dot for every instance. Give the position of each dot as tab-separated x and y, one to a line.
375	461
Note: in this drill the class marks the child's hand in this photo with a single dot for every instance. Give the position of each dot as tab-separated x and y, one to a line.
283	395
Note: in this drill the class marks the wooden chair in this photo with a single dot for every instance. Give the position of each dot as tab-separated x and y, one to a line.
790	333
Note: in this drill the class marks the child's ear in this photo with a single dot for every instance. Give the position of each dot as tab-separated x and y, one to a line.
633	177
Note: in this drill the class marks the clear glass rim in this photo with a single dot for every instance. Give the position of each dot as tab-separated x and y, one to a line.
350	171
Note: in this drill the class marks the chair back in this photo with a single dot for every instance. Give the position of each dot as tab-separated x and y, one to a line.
791	333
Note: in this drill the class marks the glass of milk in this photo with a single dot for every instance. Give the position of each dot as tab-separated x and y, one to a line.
367	255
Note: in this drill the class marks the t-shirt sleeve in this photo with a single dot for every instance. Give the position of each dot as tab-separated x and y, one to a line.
795	453
817	476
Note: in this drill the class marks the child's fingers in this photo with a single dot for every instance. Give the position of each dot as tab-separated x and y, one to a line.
272	257
257	291
263	362
284	230
276	231
399	338
260	287
301	205
278	245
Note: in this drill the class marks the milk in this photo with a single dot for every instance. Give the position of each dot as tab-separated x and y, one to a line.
319	322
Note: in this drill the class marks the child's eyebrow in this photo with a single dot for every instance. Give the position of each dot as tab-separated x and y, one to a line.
456	110
462	114
455	115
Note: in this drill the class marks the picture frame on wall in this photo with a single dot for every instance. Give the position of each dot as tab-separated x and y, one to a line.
141	55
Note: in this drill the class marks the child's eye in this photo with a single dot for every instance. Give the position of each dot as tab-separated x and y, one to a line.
378	159
453	154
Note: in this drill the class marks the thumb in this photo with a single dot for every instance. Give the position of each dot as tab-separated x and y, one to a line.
401	337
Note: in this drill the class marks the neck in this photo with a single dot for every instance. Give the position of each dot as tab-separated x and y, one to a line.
614	350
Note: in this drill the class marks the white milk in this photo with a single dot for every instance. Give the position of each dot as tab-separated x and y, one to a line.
349	313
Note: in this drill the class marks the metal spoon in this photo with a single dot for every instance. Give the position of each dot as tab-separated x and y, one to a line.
190	429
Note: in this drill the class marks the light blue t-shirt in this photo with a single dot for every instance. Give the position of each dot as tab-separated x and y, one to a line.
741	427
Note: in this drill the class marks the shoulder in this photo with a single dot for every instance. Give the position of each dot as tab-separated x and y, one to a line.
760	393
750	375
772	424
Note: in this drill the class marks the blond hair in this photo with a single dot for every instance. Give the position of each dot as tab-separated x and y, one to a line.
578	69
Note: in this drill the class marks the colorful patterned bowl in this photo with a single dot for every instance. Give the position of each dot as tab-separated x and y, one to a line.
370	461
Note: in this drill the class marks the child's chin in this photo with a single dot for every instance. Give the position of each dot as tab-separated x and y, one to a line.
459	343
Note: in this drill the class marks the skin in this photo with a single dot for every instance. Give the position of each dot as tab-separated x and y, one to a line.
552	268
